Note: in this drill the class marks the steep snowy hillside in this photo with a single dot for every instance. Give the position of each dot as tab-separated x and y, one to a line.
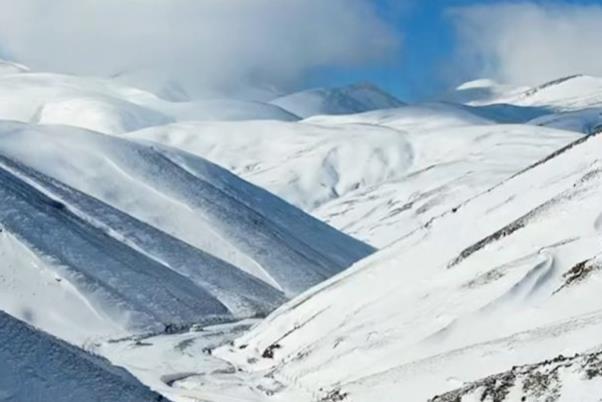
112	229
106	106
346	100
37	367
137	238
507	278
376	175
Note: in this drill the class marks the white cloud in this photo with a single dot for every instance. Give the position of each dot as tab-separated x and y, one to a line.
207	43
529	42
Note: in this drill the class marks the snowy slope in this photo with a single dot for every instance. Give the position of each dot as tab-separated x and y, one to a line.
375	175
24	96
509	277
37	367
424	116
449	166
495	264
117	228
333	101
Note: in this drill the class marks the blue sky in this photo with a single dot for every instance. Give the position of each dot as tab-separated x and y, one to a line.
421	68
417	69
225	47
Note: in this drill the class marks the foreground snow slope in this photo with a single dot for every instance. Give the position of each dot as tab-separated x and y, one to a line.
37	367
375	175
345	100
112	230
509	277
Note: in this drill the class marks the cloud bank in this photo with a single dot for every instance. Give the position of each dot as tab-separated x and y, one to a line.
528	42
216	44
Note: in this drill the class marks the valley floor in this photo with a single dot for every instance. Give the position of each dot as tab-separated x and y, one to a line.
183	368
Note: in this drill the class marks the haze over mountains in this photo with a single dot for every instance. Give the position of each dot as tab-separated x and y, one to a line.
334	244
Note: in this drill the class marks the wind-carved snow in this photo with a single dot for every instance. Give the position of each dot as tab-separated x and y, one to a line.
467	314
147	237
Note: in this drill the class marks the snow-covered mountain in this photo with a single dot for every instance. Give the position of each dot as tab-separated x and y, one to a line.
110	107
37	367
344	100
307	164
101	227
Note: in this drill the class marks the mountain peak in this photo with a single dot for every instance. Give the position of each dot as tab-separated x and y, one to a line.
356	98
